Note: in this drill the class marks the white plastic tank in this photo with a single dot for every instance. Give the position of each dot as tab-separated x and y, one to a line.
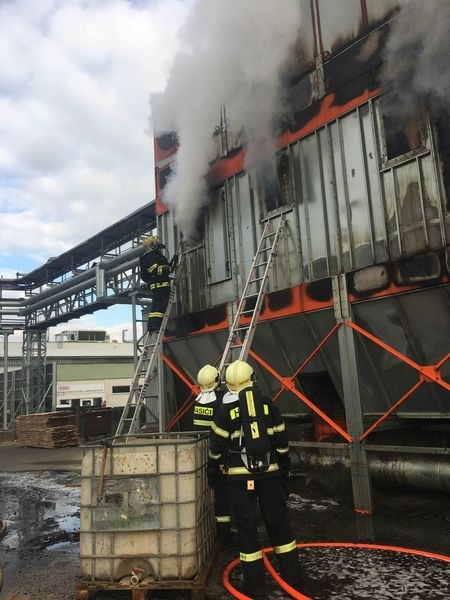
146	509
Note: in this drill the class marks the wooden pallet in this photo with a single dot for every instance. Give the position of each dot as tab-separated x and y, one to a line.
86	590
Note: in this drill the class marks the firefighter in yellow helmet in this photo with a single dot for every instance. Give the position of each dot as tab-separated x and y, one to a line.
249	436
155	271
205	406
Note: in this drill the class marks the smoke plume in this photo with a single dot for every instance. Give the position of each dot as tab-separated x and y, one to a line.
417	56
234	53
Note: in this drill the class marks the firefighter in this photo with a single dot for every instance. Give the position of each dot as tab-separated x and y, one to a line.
205	406
155	272
251	481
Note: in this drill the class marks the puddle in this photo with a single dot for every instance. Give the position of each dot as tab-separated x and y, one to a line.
41	511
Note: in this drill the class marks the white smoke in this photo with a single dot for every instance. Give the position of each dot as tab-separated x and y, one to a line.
417	56
234	52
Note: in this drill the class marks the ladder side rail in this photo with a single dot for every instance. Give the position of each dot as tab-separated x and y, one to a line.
137	393
244	297
246	344
260	294
133	394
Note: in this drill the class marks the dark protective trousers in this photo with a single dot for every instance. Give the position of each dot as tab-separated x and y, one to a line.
160	299
271	494
222	510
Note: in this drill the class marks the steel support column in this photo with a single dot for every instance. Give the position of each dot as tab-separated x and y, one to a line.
362	491
33	365
6	420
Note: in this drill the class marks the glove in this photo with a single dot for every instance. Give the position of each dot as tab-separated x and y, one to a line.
173	262
284	462
213	475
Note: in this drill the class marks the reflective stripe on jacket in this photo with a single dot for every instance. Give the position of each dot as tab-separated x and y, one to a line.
227	443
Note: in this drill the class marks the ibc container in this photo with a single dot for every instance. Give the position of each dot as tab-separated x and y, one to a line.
146	509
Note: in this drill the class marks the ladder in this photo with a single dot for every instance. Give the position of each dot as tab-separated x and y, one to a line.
146	371
240	336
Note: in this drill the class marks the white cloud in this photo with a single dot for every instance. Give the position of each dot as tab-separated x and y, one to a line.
75	82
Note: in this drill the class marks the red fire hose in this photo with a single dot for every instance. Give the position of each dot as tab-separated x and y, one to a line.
298	595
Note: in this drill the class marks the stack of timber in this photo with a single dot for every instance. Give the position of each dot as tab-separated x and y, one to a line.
46	430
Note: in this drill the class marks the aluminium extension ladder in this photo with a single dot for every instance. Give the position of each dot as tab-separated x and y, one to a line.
240	336
146	372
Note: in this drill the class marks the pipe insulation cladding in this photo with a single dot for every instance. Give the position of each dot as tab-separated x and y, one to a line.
419	472
400	470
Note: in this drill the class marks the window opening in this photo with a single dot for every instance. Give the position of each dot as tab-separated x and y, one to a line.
277	183
164	176
120	389
403	134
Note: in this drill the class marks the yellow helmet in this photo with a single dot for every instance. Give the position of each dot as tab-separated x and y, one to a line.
150	242
208	378
238	376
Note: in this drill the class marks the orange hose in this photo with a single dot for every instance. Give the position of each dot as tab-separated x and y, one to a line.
298	595
376	547
226	582
283	585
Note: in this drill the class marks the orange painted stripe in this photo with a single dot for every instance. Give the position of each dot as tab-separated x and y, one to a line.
161	154
301	303
328	112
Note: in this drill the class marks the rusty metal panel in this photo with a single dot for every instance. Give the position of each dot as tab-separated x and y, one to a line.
311	214
217	239
355	190
193	283
340	23
413	207
339	197
330	202
373	182
246	217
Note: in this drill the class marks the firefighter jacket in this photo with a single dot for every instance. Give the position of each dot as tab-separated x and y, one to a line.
227	444
205	406
155	269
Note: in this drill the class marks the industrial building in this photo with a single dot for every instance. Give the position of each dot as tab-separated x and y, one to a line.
352	336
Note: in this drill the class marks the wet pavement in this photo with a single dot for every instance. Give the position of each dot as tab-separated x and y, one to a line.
39	554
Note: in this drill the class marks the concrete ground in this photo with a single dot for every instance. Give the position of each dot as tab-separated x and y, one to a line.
39	554
15	458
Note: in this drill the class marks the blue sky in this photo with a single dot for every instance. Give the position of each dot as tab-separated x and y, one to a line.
76	149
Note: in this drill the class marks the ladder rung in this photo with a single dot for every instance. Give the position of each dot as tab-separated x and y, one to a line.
147	367
263	259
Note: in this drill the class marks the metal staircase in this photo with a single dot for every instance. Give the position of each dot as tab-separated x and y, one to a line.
145	378
241	335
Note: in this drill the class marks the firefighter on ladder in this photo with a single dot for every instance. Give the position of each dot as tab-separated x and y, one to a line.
155	271
204	409
251	482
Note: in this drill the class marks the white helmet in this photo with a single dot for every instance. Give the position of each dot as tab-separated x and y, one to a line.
208	378
239	375
151	242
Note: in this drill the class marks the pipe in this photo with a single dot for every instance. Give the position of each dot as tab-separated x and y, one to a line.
111	267
422	473
419	472
137	575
